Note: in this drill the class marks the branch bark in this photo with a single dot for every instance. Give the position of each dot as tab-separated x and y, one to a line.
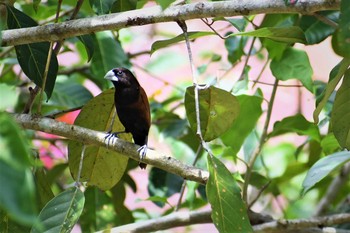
88	136
303	225
179	219
151	15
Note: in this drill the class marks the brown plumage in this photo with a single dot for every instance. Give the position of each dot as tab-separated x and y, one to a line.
132	107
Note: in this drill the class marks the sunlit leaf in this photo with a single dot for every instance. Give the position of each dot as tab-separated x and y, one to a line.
88	43
101	167
296	124
229	212
61	213
294	64
323	167
291	34
250	112
334	77
341	112
218	110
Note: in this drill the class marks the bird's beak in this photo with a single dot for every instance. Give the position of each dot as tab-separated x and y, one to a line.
111	76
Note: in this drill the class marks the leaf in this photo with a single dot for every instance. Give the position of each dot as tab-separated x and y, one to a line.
235	48
218	110
9	94
123	5
341	112
249	113
101	7
101	167
334	78
33	57
291	34
340	39
108	54
294	64
296	124
164	3
229	212
43	187
61	213
315	30
162	185
98	213
88	43
323	167
166	43
36	4
17	195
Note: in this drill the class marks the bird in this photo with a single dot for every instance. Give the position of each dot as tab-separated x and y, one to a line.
132	108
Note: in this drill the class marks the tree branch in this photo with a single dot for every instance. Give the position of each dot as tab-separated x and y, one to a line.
151	15
333	190
178	219
307	225
88	136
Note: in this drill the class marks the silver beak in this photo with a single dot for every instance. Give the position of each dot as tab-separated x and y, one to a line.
111	76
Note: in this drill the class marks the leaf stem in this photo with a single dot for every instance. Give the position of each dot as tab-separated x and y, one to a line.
261	143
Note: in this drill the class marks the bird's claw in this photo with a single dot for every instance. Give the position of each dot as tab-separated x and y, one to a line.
142	151
111	138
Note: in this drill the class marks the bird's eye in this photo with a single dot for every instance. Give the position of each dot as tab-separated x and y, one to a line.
119	72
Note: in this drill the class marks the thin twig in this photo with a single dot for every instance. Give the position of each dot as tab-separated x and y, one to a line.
325	20
271	84
56	114
47	66
80	164
213	29
261	143
241	77
261	72
182	191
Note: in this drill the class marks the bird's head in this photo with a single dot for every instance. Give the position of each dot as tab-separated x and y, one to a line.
121	77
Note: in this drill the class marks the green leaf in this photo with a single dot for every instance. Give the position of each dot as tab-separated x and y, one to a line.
330	144
296	124
341	112
36	4
334	77
166	43
101	167
315	30
235	48
218	110
229	212
101	7
291	34
17	195
108	54
323	167
33	57
98	213
294	64
123	5
43	187
249	114
164	3
88	43
9	94
162	185
61	213
340	40
67	95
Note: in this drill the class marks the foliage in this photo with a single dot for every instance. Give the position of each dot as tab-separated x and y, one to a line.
236	125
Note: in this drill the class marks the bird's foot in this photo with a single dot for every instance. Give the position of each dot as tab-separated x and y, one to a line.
142	153
111	138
